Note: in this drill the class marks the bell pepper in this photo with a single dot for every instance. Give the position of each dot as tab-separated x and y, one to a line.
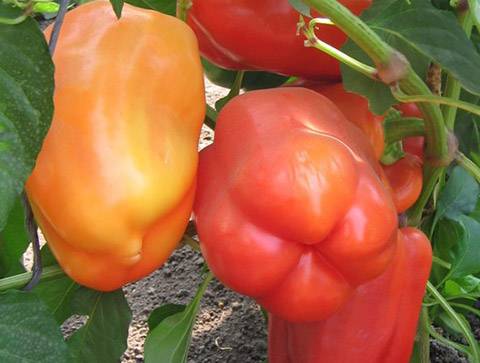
406	180
356	110
261	35
377	325
414	144
113	186
405	176
290	208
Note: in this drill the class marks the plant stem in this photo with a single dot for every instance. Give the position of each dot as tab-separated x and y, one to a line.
439	100
448	343
182	9
474	348
13	21
453	87
469	166
314	42
441	262
234	91
18	281
389	60
211	117
468	308
398	129
430	178
422	347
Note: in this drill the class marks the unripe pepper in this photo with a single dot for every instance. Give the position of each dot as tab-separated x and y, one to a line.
290	208
114	183
261	35
377	325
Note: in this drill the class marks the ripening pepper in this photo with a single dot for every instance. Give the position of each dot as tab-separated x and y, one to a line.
261	35
114	183
377	325
290	206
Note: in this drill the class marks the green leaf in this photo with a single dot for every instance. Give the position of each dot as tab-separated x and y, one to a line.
57	294
422	33
103	338
251	80
465	285
163	312
170	340
459	195
29	333
26	105
300	6
467	251
467	127
117	6
447	323
168	7
435	33
13	242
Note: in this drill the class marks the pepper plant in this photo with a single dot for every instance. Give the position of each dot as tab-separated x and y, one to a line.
358	129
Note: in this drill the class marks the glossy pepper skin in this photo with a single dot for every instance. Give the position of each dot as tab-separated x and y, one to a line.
356	110
290	207
377	325
405	177
261	35
114	183
415	144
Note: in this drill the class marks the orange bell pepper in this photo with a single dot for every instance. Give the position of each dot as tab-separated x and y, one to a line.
114	183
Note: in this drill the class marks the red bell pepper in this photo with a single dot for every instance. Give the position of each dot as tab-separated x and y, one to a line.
376	325
291	208
261	35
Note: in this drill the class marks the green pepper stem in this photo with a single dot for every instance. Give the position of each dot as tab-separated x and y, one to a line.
402	97
387	58
398	129
441	262
211	117
422	345
182	9
19	281
314	42
430	178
